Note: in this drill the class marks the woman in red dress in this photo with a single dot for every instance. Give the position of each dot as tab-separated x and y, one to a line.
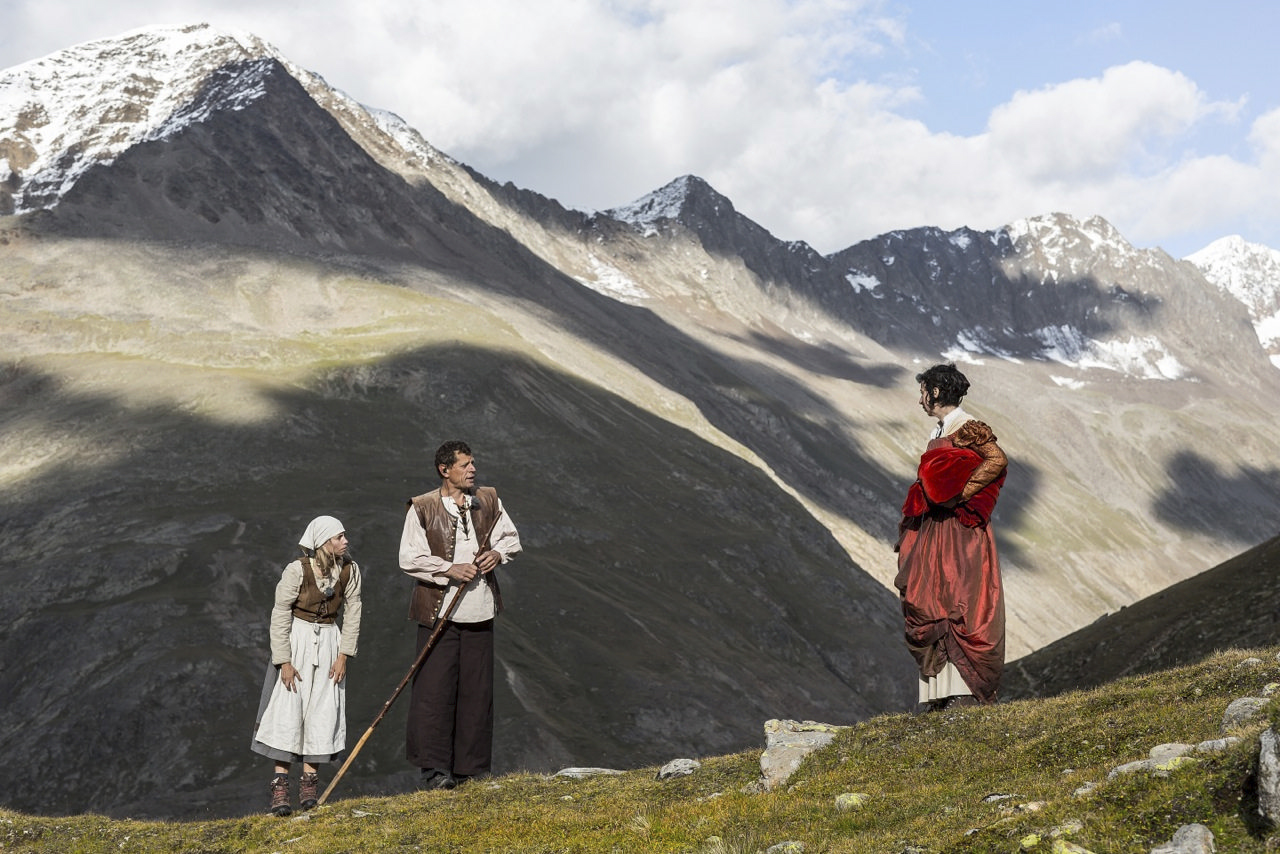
948	572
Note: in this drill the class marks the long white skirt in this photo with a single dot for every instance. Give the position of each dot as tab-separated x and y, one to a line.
310	723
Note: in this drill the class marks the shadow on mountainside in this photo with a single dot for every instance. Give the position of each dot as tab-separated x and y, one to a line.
827	360
1233	605
1243	507
951	292
670	598
194	187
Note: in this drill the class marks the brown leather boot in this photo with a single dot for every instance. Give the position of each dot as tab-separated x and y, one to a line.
280	795
309	790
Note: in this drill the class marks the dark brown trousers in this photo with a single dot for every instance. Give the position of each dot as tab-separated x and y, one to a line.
450	724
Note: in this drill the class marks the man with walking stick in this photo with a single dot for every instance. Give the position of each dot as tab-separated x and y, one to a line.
453	539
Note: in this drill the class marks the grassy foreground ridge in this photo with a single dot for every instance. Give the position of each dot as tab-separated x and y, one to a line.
926	779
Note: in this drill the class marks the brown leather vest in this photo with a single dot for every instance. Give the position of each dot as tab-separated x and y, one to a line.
441	530
311	605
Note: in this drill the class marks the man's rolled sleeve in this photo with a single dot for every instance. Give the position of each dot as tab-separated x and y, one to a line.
416	558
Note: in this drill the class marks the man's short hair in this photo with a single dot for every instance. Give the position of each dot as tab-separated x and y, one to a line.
447	454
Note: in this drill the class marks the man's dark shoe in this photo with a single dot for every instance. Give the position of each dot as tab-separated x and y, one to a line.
434	778
309	790
280	795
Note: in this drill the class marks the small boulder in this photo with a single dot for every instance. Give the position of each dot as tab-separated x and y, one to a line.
1132	768
582	773
1188	839
1165	752
678	768
1269	776
1243	711
851	800
787	743
1216	745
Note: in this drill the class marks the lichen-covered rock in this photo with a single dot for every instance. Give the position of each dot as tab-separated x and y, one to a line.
851	800
1163	769
1165	752
1063	846
788	847
787	743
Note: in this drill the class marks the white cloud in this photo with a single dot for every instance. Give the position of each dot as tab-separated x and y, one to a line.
1084	129
596	103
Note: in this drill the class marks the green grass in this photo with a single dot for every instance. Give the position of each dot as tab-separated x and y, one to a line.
926	778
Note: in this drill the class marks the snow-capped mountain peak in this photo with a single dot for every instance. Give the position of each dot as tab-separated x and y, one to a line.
67	111
670	202
1250	272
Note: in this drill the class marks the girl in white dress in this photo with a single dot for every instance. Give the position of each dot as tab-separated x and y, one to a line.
302	715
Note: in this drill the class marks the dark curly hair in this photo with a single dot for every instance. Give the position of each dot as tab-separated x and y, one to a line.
447	454
944	384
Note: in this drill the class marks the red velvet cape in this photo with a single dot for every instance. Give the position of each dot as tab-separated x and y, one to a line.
943	472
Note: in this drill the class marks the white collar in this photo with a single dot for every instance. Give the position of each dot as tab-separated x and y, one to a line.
951	422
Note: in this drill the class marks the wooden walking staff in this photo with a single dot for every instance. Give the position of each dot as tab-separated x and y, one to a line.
441	621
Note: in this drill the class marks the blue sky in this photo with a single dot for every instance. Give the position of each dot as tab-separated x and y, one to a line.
828	121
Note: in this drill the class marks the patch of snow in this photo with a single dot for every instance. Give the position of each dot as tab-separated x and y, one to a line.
960	240
1268	329
960	356
979	340
663	204
613	283
1067	382
406	136
863	282
1144	357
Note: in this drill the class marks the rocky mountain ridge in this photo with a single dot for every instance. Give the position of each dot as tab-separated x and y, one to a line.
279	307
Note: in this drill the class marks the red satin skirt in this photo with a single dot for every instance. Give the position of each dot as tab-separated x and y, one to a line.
952	600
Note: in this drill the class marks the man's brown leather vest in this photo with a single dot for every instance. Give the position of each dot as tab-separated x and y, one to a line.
311	604
441	530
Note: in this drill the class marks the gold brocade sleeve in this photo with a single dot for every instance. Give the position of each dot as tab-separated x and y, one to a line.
978	436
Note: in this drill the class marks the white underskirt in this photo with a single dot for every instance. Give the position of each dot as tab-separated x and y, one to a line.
948	683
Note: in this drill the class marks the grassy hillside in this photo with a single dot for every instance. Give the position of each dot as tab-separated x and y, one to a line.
926	780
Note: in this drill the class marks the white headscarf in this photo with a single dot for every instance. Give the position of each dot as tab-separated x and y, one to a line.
320	531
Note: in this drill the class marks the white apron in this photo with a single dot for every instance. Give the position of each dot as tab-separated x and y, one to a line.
311	722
